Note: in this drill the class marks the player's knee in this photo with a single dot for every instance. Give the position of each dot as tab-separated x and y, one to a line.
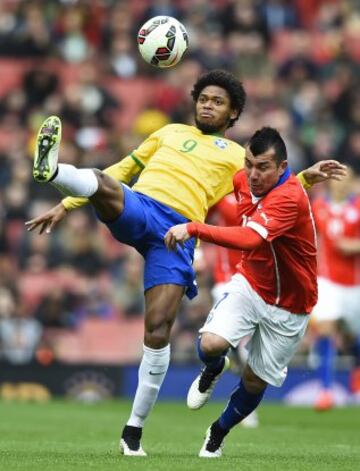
109	198
157	334
212	345
253	384
157	339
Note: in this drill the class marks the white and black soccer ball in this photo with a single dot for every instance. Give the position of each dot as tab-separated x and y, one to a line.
162	41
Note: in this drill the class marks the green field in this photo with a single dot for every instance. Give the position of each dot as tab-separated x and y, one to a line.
70	436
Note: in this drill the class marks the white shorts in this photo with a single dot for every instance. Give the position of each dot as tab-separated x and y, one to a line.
275	333
338	302
218	290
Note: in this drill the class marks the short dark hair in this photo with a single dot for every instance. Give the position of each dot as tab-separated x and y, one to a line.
227	81
265	139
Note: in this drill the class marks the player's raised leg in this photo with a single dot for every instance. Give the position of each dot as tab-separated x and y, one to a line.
104	193
162	303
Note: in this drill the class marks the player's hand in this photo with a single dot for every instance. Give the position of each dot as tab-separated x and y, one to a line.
325	170
176	235
48	220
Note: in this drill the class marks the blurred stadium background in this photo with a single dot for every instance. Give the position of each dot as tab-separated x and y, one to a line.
71	304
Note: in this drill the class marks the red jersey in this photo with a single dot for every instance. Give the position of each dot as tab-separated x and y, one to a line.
226	259
278	242
334	221
282	270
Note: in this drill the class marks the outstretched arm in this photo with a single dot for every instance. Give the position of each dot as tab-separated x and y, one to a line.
242	238
322	171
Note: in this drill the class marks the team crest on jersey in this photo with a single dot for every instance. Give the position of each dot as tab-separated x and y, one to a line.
221	143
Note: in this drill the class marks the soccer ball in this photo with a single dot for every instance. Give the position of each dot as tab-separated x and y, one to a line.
162	41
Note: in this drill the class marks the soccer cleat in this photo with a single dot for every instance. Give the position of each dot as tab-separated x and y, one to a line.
130	444
325	401
214	442
47	149
203	386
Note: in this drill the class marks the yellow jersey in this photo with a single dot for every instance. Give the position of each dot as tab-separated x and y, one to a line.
180	167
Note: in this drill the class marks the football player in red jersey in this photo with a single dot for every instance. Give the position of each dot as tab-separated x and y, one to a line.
337	216
225	213
273	291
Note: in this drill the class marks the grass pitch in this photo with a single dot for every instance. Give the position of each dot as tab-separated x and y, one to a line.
66	436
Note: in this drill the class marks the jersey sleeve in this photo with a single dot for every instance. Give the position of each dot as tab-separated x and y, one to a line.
234	237
147	149
277	214
124	170
303	181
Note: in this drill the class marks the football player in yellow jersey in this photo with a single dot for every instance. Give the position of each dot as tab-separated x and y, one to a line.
183	171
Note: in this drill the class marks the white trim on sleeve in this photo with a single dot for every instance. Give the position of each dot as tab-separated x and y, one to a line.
261	230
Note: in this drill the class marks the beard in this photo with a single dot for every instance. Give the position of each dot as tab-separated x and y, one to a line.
207	128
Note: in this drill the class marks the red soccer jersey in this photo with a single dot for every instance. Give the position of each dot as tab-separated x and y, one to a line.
226	259
334	221
282	270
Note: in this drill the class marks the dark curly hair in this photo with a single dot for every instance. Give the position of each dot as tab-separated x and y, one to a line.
227	81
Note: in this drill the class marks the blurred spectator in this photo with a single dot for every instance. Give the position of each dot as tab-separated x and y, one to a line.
19	334
57	309
349	152
279	15
88	100
337	216
8	298
122	57
127	293
38	84
25	33
248	55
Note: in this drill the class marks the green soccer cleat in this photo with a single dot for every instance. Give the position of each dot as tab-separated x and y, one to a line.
47	149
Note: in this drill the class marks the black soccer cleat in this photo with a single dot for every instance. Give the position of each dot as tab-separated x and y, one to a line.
203	386
214	442
130	442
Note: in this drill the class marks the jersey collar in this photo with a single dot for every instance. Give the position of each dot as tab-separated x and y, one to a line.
283	177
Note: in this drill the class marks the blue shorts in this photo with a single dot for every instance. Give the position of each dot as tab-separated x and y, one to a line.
143	225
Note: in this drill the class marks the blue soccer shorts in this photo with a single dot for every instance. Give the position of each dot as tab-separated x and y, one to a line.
143	225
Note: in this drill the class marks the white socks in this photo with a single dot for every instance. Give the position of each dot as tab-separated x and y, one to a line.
152	371
72	181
